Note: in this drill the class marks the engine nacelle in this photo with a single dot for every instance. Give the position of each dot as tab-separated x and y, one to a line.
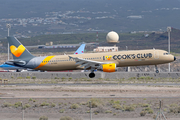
109	67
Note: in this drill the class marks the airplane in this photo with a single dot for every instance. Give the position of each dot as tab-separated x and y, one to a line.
5	66
106	62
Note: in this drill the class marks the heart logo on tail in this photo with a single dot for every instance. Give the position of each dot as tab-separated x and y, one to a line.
17	51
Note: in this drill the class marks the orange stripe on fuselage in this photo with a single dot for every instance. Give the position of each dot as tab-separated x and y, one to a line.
44	61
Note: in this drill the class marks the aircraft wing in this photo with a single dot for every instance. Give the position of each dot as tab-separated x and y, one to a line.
88	63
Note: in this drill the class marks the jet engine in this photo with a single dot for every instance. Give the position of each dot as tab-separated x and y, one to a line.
109	67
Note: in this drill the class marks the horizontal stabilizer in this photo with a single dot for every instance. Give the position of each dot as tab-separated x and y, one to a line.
15	62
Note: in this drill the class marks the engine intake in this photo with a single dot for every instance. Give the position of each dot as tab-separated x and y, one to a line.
109	67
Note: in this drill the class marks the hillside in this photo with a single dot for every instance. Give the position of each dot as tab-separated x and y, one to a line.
133	41
154	40
41	17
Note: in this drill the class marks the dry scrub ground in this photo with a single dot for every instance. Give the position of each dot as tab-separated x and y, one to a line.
108	102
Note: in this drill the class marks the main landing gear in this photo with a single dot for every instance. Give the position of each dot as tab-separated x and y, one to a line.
18	70
92	75
157	71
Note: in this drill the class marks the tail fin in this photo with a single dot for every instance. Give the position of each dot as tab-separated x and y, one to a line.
18	50
80	50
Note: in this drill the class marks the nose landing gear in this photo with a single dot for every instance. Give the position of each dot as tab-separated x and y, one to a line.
157	71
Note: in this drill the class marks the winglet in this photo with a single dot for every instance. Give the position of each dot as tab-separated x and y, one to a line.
70	57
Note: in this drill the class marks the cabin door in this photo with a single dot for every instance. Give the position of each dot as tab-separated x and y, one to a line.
156	54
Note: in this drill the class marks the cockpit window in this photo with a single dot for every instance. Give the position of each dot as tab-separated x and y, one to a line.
166	54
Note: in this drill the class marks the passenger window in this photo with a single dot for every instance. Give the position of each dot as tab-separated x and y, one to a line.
165	53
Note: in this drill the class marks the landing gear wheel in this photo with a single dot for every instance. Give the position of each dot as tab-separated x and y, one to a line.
91	75
17	70
157	71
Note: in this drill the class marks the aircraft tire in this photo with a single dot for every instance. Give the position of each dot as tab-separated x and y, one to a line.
91	75
157	71
17	70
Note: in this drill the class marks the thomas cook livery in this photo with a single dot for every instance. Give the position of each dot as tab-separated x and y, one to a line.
106	62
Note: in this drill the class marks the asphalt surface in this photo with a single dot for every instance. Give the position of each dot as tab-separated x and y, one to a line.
95	84
78	75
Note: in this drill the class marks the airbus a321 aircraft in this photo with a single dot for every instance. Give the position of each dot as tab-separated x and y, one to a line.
106	62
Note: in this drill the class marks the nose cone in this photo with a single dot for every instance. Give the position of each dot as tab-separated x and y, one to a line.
174	58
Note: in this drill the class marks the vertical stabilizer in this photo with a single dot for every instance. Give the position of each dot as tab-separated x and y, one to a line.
18	51
80	50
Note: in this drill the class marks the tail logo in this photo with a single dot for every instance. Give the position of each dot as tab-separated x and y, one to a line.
17	51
